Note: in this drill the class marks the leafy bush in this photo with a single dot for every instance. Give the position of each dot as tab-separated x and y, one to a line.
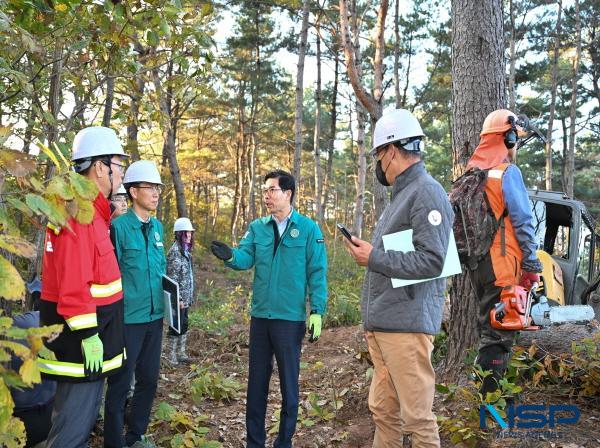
345	283
219	309
207	384
188	429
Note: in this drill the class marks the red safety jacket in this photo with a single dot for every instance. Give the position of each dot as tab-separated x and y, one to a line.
81	289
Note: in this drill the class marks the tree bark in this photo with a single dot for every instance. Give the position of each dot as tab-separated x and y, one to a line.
478	88
332	131
134	116
554	87
169	129
372	103
570	155
397	53
108	103
317	135
512	67
300	92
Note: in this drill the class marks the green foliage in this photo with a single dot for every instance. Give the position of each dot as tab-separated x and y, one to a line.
344	283
219	309
568	375
212	385
440	348
184	430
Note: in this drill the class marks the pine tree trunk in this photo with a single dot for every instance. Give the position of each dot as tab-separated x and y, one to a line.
361	175
570	155
169	130
553	91
300	92
134	114
108	102
332	131
478	86
397	54
512	103
317	135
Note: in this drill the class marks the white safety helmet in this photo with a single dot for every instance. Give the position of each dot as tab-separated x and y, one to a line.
183	225
92	142
398	125
121	191
142	171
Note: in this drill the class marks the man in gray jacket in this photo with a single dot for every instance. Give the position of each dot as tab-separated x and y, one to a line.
400	323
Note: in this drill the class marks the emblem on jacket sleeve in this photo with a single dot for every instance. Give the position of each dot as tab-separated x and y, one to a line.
434	218
294	233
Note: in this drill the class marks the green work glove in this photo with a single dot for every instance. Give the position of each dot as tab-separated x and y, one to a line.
314	327
93	352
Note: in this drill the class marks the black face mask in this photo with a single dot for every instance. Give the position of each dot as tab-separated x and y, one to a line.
380	175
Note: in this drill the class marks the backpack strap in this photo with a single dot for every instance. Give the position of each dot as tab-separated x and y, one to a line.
500	222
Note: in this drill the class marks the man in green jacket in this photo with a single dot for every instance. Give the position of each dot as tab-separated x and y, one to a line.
287	252
139	245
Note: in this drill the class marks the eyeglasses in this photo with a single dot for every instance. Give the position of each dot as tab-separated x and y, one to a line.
270	191
119	166
154	188
375	153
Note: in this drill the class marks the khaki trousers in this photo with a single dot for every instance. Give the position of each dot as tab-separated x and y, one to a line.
402	389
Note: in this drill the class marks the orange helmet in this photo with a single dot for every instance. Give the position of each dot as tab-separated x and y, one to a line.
498	122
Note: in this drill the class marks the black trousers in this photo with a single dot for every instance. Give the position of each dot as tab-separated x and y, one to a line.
282	339
488	295
144	344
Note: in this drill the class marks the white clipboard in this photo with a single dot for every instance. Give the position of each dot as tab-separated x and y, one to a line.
402	242
172	303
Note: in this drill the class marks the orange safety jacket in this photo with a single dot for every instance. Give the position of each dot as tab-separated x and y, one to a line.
81	289
505	252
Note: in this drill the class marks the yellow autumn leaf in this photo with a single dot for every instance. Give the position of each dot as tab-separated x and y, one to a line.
61	7
11	283
29	372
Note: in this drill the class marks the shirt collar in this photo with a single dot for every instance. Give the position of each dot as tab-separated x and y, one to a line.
284	220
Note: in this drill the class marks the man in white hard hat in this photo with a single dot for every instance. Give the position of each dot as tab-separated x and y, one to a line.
118	203
81	289
139	245
400	323
180	268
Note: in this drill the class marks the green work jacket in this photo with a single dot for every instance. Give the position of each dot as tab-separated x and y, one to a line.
285	275
142	263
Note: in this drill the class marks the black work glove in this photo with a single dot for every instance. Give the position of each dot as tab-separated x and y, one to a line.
221	250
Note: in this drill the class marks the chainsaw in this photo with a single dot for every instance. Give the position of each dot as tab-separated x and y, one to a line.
520	309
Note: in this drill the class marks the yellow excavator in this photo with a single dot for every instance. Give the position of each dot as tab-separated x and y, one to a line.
569	250
570	254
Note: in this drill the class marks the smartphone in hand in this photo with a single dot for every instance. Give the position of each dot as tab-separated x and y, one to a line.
345	232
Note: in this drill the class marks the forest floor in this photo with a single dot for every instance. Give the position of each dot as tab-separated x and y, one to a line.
333	370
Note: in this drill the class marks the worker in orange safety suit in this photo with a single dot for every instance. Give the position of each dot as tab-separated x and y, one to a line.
512	258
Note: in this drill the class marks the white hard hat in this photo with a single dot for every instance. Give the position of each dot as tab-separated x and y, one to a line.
396	125
142	171
96	141
183	224
121	190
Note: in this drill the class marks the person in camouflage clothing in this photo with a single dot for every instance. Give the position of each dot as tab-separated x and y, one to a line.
180	269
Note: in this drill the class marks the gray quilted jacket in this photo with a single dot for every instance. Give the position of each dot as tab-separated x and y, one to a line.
180	269
420	203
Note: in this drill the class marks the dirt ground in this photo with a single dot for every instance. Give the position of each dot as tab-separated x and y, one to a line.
332	367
